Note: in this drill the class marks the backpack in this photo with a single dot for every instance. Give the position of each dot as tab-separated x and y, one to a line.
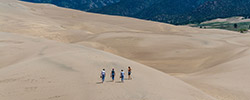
103	73
113	73
122	74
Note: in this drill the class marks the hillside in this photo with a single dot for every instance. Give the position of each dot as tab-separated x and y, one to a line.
169	11
34	68
129	38
209	63
78	4
126	7
183	11
238	24
221	9
47	70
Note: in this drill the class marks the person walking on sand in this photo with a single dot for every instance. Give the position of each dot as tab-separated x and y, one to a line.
129	72
112	75
103	74
122	75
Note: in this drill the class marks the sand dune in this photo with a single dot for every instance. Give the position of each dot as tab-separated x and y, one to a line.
227	81
209	64
162	46
56	71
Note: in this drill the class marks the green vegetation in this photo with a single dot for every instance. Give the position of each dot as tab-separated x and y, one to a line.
178	12
240	27
84	5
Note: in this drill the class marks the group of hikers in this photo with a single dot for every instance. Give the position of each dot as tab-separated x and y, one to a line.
112	74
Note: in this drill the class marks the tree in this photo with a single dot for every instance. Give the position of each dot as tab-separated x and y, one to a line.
242	30
235	26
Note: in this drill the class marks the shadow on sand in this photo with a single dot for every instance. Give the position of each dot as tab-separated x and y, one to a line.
119	82
110	81
127	78
106	81
98	82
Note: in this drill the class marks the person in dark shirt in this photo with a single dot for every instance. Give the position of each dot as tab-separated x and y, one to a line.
112	75
129	72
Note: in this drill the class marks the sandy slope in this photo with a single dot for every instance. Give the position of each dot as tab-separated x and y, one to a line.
165	47
216	60
55	71
228	80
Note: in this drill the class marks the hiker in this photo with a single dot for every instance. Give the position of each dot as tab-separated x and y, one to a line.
129	72
122	76
112	75
103	74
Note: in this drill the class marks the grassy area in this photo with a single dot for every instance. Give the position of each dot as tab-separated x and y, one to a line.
241	27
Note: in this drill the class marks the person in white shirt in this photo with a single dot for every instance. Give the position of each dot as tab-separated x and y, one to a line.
103	74
122	75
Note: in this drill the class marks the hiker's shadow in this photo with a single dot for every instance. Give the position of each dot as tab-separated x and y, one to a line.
119	82
98	82
105	81
127	78
110	81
